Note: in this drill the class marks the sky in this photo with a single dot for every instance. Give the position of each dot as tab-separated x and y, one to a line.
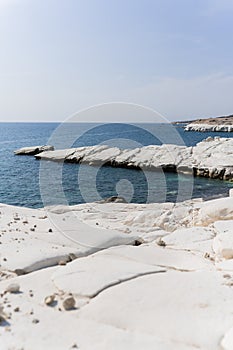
60	56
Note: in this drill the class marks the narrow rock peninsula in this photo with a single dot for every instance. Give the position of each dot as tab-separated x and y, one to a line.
211	158
218	124
31	151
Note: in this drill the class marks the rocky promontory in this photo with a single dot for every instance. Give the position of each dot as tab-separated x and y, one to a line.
219	124
211	158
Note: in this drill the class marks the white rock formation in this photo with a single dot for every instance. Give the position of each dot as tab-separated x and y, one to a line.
170	294
208	127
209	158
33	150
27	245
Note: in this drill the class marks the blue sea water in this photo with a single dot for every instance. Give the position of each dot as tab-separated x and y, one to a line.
19	175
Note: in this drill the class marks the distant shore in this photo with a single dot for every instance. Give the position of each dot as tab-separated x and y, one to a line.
223	120
217	124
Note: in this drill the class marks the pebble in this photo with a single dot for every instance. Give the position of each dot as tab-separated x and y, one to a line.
2	315
49	300
69	303
13	288
72	256
35	321
62	262
161	243
2	318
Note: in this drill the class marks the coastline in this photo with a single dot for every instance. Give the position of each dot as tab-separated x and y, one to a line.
175	258
216	124
202	127
210	158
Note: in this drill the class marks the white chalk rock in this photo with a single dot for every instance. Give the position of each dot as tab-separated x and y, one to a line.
209	158
193	238
25	250
89	276
218	209
33	150
223	245
178	307
227	341
202	127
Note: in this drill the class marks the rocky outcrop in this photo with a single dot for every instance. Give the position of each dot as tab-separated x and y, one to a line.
31	151
166	296
211	158
218	124
209	127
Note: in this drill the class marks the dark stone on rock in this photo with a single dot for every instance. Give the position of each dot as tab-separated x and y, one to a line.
114	199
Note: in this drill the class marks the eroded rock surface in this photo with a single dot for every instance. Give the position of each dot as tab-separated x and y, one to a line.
212	157
172	296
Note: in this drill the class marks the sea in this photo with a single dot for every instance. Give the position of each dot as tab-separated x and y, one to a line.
21	176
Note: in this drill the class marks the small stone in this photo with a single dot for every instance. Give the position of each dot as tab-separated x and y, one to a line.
161	243
2	315
50	230
35	321
13	288
72	256
138	242
2	318
49	300
62	262
69	303
17	309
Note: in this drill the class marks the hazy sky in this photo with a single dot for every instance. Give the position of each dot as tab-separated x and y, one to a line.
58	56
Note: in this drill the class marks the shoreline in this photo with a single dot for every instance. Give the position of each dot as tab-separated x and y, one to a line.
211	157
133	275
202	127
